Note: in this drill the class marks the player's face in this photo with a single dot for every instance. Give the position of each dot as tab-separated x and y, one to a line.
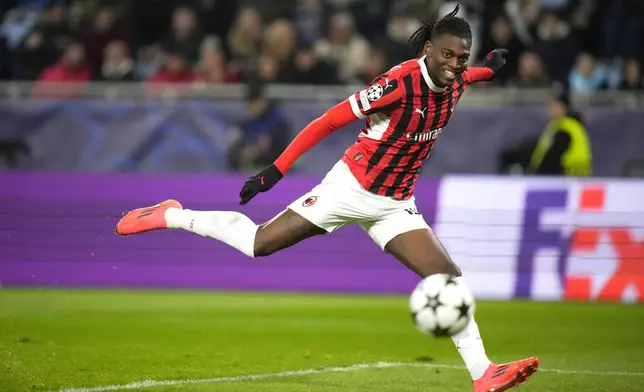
448	56
556	109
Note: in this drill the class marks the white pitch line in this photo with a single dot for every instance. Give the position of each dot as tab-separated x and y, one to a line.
249	377
306	372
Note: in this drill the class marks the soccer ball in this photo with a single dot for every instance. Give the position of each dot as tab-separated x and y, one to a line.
441	306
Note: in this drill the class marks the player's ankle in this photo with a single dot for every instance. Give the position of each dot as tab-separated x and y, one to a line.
176	218
478	369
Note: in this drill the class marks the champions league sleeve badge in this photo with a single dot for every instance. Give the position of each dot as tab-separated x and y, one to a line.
375	92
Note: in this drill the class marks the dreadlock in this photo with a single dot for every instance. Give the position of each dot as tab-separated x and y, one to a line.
451	24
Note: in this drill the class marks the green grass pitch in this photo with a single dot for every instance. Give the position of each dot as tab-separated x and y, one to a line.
56	339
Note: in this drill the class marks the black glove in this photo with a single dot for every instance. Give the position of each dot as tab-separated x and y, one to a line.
260	182
495	60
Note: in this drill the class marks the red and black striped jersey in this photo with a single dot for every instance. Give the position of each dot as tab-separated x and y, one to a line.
405	113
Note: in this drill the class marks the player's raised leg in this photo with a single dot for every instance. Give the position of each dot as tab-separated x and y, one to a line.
422	252
233	228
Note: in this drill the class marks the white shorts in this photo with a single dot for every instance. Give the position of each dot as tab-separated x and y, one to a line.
339	200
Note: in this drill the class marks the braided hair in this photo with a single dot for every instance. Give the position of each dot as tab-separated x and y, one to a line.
451	24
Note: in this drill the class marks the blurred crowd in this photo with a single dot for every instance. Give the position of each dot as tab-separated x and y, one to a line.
590	45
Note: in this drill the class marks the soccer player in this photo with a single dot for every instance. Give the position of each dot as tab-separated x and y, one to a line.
373	184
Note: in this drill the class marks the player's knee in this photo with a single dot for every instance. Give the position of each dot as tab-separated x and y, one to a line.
446	267
263	250
452	269
432	266
264	247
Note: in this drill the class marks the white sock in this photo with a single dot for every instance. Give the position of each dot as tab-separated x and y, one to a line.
232	228
470	345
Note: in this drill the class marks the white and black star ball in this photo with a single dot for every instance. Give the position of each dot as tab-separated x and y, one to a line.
375	92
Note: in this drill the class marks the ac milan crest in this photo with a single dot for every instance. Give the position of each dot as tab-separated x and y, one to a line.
309	201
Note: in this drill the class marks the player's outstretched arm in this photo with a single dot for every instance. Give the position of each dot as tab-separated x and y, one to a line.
492	63
337	117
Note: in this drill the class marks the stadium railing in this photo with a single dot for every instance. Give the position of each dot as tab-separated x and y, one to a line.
478	96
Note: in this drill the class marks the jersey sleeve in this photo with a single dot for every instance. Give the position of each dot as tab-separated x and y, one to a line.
477	74
336	117
383	95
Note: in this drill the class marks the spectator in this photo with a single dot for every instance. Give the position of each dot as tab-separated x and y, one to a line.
279	44
280	40
212	67
185	35
582	21
395	45
174	70
556	45
70	69
587	76
245	36
266	69
117	64
632	76
258	141
215	18
344	48
502	36
148	62
309	69
555	29
34	55
377	66
56	30
309	20
17	23
44	45
103	31
523	15
530	73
